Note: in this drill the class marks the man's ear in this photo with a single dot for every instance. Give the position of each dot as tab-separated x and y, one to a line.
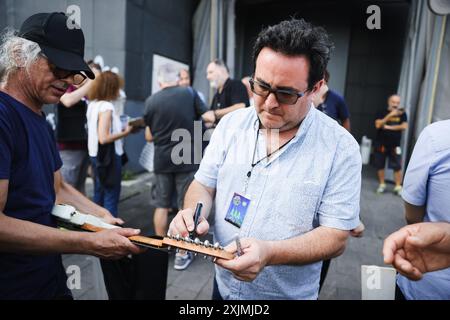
317	86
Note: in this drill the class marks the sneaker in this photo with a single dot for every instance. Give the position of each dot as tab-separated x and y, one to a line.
381	188
398	190
182	261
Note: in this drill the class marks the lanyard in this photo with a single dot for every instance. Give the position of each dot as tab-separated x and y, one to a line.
254	164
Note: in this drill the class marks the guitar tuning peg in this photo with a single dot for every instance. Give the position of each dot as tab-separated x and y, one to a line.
221	248
205	257
169	248
216	245
197	241
177	237
195	254
214	259
169	235
206	243
177	250
187	239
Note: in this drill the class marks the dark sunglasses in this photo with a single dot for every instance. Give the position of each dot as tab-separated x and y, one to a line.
60	74
284	96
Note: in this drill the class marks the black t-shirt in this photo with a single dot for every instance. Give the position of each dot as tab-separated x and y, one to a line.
28	160
71	122
390	138
233	92
170	109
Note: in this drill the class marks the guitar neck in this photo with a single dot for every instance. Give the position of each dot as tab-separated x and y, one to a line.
174	242
147	241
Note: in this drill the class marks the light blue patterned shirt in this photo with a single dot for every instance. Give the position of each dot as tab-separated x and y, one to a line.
314	180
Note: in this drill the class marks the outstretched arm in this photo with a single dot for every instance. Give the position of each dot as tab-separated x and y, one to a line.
20	236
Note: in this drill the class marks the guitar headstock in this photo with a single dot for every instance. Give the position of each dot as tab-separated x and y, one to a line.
202	247
176	242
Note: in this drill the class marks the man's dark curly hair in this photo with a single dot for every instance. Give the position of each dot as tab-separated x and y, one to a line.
295	38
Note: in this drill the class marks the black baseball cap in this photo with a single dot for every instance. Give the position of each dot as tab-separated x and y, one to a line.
60	41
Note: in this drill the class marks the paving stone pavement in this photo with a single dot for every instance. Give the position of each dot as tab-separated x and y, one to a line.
381	214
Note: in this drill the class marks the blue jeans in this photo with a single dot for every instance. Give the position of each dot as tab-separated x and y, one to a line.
108	197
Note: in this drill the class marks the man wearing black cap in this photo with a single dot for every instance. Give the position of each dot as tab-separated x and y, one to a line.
36	68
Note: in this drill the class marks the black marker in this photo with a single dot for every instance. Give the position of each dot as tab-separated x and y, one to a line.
198	210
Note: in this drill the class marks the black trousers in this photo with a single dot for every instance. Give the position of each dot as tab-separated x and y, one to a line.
399	294
216	294
141	277
323	272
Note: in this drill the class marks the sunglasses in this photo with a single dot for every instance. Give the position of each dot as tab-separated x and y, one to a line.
60	74
283	96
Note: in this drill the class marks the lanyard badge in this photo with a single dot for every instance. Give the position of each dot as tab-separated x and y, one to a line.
237	210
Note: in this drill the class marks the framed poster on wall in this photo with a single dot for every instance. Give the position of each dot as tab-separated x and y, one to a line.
158	61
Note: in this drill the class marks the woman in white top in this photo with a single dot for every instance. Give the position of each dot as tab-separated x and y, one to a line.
104	127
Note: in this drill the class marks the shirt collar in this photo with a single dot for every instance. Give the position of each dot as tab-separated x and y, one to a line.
299	136
304	126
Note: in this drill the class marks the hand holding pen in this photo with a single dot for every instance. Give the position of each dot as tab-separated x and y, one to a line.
189	223
197	213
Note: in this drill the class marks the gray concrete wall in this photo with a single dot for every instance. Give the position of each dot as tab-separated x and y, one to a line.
252	18
162	27
375	59
2	14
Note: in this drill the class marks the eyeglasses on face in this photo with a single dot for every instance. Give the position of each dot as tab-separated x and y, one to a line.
283	96
61	74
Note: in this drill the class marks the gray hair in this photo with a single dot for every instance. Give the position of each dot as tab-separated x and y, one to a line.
15	53
221	63
167	73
